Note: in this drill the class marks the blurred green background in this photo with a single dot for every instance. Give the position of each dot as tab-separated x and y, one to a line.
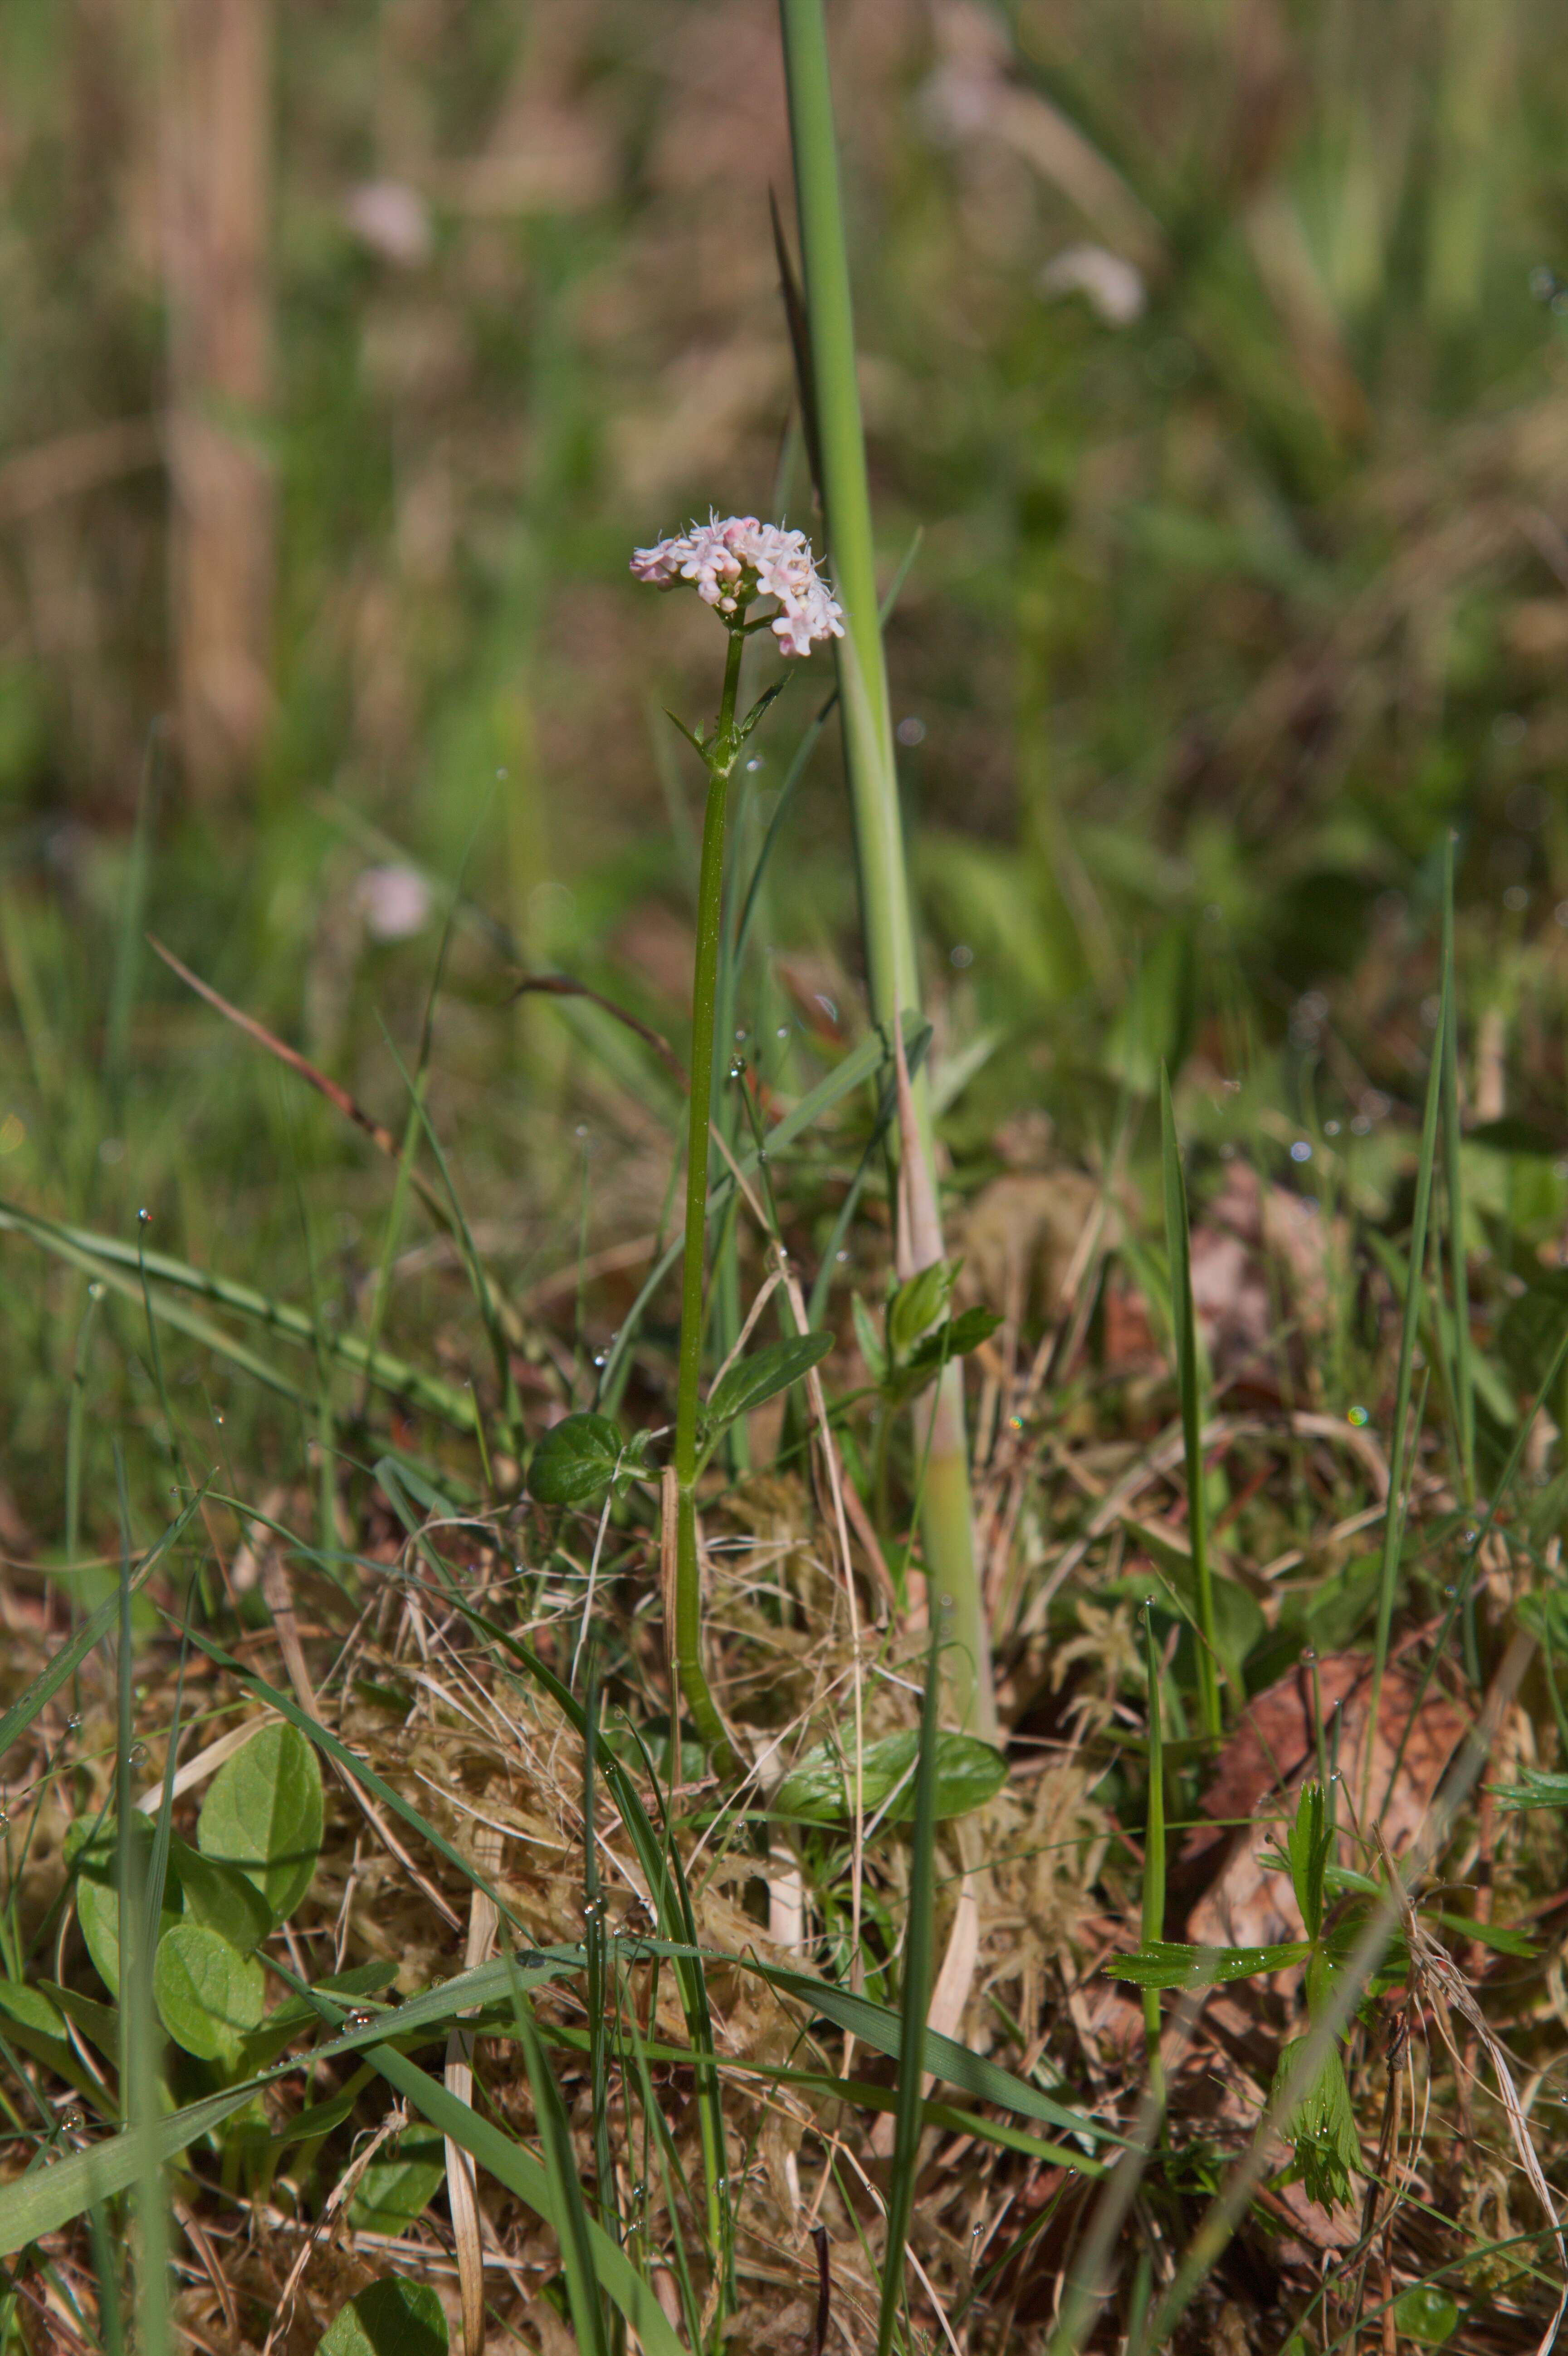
1213	348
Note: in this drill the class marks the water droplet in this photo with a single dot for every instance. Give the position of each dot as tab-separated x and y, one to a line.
1471	1536
1450	1590
600	1357
762	1154
755	763
582	1129
1359	1417
961	955
218	1416
95	1291
139	1755
783	1031
1308	1656
73	1723
5	1818
742	1032
1330	1129
71	2121
1301	1150
357	2019
947	1603
144	1217
736	1066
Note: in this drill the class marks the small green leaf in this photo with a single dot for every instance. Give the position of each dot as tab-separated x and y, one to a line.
917	1305
210	1997
820	1788
1538	1789
401	2185
956	1337
765	1373
1310	1838
870	1341
575	1460
30	2008
1499	1936
1322	2126
220	1897
393	2318
1425	2313
1167	1963
263	1815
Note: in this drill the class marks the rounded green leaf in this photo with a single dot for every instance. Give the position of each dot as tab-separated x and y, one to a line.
393	2318
400	2184
1425	2313
220	1897
210	1997
30	2008
263	1815
97	1862
967	1772
576	1458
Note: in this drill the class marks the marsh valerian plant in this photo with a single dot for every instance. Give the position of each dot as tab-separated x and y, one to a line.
731	565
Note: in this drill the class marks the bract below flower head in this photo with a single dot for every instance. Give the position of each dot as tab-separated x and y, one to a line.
730	562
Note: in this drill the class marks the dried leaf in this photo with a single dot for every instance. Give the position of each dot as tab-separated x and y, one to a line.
1274	1749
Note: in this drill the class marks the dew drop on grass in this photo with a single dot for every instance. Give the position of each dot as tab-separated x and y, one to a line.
73	1723
843	1255
144	1217
1308	1654
138	1755
600	1357
1359	1417
737	1066
72	2122
358	2021
783	1031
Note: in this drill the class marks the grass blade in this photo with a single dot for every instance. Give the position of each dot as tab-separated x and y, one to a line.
1400	1439
1154	1851
887	912
919	1974
105	1257
1184	1334
92	1630
577	2250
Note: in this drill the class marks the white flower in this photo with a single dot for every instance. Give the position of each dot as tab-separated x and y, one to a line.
730	563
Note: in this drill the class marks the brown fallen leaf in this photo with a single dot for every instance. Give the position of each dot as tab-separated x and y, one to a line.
1274	1751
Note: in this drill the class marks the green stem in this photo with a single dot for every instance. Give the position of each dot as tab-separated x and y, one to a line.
886	919
720	752
1154	1855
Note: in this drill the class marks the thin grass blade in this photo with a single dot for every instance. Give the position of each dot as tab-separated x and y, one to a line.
1184	1332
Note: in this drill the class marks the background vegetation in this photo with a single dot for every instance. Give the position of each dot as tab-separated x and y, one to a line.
1213	370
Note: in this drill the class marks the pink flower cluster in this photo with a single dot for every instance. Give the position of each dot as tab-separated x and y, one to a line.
730	563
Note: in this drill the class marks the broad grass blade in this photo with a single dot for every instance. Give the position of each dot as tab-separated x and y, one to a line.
577	2248
919	1974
